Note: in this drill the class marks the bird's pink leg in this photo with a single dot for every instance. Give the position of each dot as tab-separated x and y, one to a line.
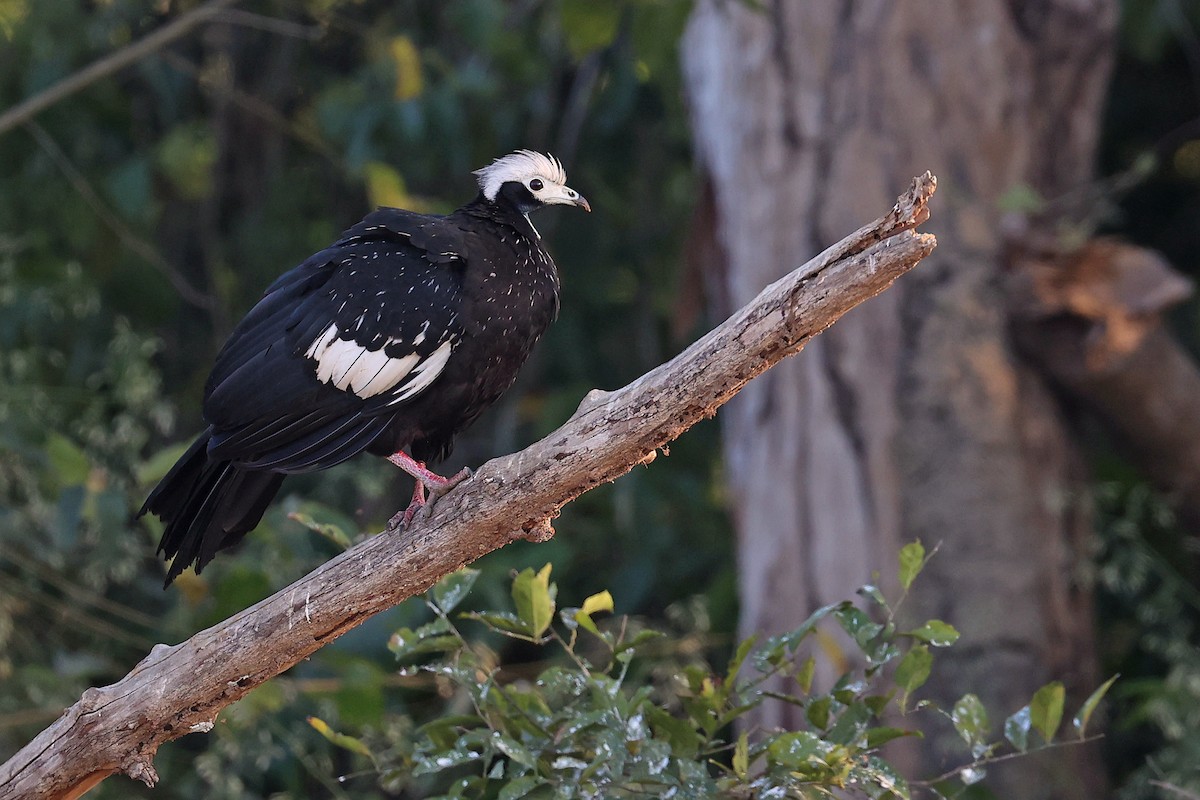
426	480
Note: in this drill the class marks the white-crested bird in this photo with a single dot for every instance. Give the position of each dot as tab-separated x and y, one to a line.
394	338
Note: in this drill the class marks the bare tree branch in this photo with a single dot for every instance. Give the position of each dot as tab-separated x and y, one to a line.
180	689
263	22
1091	320
252	105
113	62
147	251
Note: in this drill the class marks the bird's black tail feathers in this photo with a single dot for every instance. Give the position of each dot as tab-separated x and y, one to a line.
207	506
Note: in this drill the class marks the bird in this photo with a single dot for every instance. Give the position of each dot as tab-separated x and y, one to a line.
390	341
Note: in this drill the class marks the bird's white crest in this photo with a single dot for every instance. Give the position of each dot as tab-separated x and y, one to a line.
520	166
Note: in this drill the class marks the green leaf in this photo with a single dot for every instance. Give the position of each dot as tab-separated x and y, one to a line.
1046	709
970	719
444	731
936	633
878	702
639	639
327	529
913	671
502	621
797	748
12	13
912	560
157	466
884	775
851	724
447	593
872	593
741	756
683	737
817	711
513	749
1016	729
409	78
386	187
778	650
1080	722
601	601
1021	198
434	637
532	595
186	155
340	739
856	623
520	787
739	657
589	24
804	675
70	464
433	763
877	737
583	616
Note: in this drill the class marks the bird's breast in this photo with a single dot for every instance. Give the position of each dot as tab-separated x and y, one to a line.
515	297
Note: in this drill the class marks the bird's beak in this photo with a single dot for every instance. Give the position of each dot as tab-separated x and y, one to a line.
565	196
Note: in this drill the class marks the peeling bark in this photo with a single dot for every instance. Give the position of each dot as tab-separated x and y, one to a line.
180	689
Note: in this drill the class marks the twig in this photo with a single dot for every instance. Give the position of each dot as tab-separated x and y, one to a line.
263	22
1179	790
180	689
78	594
114	62
97	625
252	105
128	238
985	762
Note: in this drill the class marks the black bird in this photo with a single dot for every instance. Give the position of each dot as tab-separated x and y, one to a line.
397	336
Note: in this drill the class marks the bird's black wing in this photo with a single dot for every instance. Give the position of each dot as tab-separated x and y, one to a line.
315	371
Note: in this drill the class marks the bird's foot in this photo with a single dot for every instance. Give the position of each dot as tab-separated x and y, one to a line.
426	481
402	519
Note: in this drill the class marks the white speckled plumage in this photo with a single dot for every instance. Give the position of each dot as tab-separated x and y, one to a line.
394	338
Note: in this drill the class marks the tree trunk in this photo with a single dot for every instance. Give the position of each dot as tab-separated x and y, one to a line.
912	419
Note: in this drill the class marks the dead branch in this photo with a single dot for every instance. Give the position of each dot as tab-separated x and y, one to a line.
1091	320
180	689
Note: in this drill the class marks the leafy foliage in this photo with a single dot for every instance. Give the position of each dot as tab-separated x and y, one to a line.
1150	609
581	727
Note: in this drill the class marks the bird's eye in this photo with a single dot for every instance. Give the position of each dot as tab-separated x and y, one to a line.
536	184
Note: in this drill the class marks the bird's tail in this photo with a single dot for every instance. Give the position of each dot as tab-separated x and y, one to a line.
207	506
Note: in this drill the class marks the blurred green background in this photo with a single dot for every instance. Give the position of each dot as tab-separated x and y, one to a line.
141	216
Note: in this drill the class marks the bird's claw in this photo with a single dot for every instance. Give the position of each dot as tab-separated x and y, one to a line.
421	506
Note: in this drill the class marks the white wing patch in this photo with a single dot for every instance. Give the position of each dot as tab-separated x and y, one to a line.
388	375
352	367
426	371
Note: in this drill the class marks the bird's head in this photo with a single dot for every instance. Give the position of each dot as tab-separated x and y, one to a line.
527	181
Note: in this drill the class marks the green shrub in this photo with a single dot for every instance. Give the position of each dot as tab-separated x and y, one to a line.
583	728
